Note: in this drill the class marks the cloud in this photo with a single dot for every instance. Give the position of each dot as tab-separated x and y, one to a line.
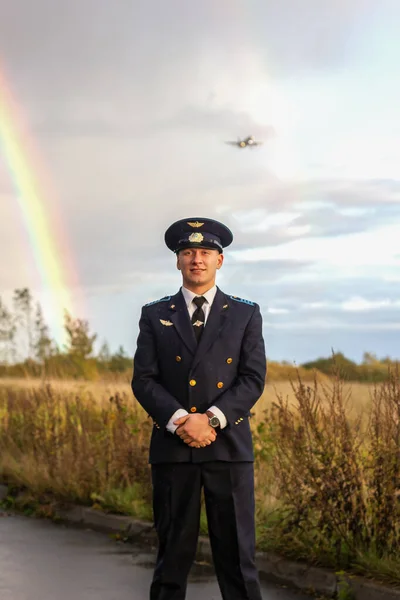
82	122
310	35
277	311
89	38
363	250
359	304
219	120
383	315
129	105
326	324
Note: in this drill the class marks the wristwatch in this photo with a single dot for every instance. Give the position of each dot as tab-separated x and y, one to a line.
213	421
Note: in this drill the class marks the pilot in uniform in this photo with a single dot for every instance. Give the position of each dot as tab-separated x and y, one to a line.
199	368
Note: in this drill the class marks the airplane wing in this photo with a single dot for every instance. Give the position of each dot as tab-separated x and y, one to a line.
232	143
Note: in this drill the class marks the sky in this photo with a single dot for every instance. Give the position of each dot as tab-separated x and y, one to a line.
129	104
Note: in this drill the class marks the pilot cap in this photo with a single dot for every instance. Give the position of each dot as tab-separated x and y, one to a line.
198	232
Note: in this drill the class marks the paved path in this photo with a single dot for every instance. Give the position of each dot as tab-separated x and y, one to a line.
40	560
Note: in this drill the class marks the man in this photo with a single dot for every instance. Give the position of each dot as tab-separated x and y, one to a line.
199	368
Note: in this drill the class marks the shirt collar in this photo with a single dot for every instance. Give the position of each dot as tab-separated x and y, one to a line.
209	295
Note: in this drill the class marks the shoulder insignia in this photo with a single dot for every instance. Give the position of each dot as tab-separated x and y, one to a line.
165	299
249	302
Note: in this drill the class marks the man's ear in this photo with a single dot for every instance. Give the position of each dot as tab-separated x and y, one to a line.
177	263
220	261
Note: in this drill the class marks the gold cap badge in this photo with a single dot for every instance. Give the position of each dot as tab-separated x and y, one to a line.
196	237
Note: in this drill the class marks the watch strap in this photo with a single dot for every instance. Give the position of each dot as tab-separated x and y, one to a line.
212	416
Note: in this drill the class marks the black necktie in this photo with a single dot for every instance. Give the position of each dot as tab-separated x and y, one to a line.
198	317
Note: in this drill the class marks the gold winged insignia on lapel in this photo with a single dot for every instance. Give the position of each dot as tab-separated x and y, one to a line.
166	323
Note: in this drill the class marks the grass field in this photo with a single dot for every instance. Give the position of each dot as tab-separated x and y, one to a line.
327	462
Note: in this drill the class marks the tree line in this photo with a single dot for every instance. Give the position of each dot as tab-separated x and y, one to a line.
27	348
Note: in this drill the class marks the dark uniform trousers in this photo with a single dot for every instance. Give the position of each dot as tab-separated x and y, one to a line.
226	369
229	500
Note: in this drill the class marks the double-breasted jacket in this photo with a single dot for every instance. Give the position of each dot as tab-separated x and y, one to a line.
227	369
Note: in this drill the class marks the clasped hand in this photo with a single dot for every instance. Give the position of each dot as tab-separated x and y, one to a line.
195	430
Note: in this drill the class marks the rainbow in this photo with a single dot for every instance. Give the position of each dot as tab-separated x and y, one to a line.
34	198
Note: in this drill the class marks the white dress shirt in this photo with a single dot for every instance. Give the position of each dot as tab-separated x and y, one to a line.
188	296
209	296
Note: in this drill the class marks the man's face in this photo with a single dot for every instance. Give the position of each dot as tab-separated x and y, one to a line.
199	266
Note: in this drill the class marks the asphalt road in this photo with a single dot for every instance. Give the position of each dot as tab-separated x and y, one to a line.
40	560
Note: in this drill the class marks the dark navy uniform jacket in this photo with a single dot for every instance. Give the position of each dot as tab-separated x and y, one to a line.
226	369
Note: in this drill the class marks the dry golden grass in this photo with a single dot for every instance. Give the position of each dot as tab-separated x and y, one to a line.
360	393
326	488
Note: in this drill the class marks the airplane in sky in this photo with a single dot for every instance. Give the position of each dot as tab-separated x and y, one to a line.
247	142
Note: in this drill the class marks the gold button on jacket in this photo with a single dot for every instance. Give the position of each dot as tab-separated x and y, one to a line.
229	360
178	359
193	409
192	382
220	384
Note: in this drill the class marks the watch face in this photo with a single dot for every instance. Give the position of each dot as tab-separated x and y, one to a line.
214	422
